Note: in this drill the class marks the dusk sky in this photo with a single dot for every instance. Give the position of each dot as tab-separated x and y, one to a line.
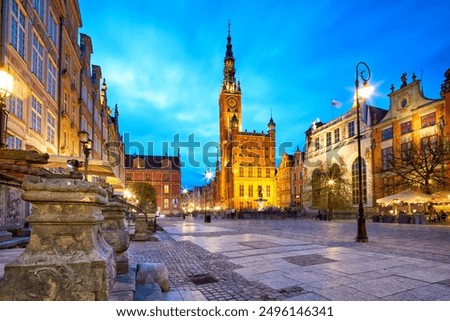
163	62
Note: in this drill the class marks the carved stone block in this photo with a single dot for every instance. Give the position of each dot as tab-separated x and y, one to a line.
67	257
141	228
116	234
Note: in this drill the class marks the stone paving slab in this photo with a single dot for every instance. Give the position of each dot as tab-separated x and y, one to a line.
382	287
431	275
375	271
290	260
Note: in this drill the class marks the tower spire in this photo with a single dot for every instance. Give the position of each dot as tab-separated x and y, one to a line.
229	80
229	53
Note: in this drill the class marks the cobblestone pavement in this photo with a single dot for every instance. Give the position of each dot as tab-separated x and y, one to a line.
300	260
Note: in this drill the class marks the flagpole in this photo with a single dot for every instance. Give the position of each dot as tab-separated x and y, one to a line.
332	112
332	109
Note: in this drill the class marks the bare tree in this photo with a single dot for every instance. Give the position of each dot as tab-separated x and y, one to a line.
330	190
417	166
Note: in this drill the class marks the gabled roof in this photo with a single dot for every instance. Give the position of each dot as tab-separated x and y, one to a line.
153	161
376	114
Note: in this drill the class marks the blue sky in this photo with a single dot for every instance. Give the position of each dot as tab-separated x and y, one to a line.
163	62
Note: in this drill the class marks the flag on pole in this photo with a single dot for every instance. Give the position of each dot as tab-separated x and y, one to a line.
336	103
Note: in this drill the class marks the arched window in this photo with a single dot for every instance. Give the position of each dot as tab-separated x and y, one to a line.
355	182
335	171
316	187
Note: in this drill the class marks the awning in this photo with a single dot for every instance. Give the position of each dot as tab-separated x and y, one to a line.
409	196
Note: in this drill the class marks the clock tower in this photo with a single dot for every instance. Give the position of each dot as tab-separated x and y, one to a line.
230	112
230	93
247	168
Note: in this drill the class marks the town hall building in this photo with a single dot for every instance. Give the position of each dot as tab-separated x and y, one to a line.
247	169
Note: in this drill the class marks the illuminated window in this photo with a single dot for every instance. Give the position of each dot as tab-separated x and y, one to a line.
328	138
405	150
15	106
166	203
386	134
428	143
17	29
66	102
51	128
351	129
166	189
53	28
316	188
428	120
386	158
51	79
406	127
337	137
36	114
241	190
83	123
250	190
37	57
355	182
14	142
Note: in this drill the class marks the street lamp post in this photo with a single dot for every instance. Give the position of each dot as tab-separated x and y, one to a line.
361	235
6	87
185	192
87	147
330	184
208	177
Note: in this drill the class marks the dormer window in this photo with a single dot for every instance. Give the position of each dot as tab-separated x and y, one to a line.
138	163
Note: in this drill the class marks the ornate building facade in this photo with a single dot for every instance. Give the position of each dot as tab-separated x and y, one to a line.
332	147
412	120
386	136
247	168
57	92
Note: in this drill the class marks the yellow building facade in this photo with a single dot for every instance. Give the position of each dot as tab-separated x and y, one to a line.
247	169
412	120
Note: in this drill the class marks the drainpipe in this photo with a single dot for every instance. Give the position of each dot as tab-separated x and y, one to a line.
60	62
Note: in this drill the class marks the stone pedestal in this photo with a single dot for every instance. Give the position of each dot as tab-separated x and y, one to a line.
116	234
67	257
141	228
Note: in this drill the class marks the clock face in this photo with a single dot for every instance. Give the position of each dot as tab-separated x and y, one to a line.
232	102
